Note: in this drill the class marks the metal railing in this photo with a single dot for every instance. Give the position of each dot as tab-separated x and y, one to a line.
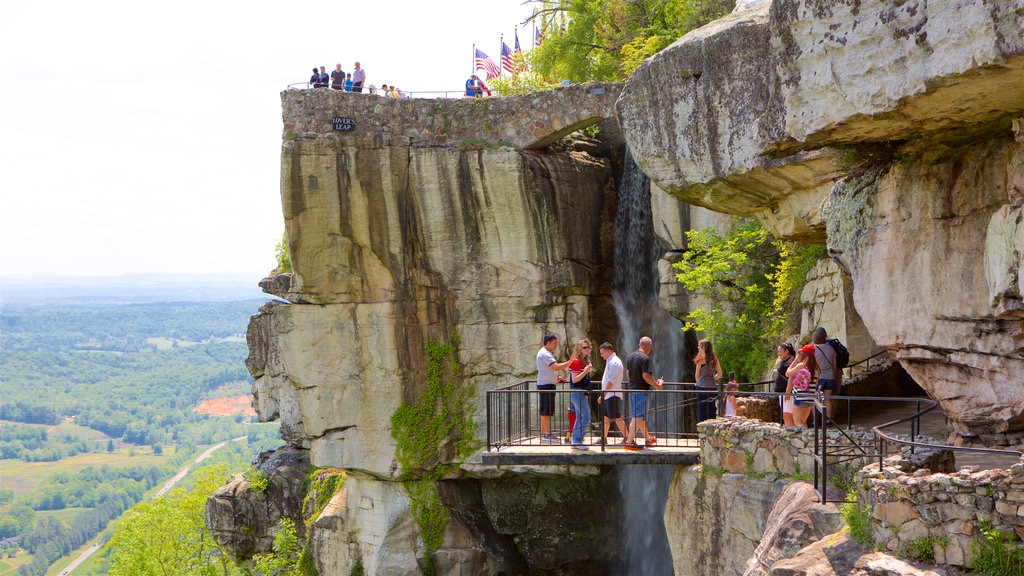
513	417
426	94
828	455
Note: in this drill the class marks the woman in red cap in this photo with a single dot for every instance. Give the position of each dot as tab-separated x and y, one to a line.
801	376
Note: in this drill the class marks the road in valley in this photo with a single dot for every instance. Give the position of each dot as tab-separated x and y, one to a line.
170	484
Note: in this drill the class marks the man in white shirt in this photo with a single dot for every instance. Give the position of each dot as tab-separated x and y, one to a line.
547	369
611	385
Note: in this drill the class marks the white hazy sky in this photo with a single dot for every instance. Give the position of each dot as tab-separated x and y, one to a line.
140	137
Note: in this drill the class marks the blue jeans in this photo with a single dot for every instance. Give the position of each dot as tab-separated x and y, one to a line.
707	407
579	403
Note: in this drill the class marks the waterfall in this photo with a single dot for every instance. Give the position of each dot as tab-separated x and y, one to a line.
644	489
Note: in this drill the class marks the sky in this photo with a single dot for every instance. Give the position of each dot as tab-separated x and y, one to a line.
144	138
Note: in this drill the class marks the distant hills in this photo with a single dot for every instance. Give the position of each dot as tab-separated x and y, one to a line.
128	289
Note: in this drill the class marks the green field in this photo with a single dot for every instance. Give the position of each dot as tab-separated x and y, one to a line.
10	565
23	477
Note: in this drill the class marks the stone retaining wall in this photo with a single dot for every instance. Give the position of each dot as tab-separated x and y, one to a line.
532	120
943	512
917	502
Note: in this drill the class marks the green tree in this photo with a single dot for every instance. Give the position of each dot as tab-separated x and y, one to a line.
284	259
585	40
168	536
751	282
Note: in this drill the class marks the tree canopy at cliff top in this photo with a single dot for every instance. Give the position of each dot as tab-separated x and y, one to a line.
592	40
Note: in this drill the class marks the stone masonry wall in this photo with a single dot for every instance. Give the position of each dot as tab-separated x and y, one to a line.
523	121
913	504
942	511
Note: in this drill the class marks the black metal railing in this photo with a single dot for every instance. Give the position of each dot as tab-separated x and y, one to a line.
513	417
829	455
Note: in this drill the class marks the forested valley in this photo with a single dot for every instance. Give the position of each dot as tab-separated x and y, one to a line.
99	409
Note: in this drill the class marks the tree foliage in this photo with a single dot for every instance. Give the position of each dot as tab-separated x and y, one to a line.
751	284
283	257
168	536
588	40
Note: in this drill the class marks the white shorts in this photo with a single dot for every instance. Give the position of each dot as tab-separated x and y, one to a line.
787	404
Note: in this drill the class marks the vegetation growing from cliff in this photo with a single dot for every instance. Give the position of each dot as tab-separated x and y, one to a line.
995	553
858	519
753	283
168	535
423	429
284	259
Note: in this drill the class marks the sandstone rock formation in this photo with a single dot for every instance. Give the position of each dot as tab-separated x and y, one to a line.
881	129
886	131
414	229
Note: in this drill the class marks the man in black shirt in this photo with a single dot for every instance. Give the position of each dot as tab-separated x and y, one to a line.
640	380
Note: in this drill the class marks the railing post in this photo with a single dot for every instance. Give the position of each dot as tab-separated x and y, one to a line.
824	453
488	396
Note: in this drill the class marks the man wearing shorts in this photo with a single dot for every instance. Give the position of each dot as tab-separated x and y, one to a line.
828	367
611	385
638	374
547	369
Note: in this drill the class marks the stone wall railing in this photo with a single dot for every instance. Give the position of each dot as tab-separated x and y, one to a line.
532	120
917	502
740	445
942	512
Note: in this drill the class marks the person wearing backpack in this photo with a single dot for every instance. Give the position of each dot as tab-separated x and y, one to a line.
828	367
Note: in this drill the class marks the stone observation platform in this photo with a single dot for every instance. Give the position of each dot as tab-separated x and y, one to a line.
524	121
679	453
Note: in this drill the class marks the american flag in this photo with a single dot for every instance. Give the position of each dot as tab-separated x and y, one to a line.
537	37
506	59
484	62
517	42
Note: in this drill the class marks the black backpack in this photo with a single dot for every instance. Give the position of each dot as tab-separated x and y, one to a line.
842	354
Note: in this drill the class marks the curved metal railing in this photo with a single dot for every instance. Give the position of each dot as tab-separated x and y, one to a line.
883	439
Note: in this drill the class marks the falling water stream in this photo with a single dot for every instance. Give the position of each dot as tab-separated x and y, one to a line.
644	489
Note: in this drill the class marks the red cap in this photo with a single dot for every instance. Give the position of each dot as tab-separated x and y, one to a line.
807	349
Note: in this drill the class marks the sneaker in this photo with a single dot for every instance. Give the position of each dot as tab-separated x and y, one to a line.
632	446
579	447
549	440
651	440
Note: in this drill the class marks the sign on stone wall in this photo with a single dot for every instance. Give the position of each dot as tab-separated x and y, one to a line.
343	123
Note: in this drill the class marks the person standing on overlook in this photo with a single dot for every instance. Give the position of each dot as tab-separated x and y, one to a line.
611	386
358	77
315	78
708	370
579	383
473	89
337	78
785	358
638	373
801	375
324	80
547	367
828	367
348	82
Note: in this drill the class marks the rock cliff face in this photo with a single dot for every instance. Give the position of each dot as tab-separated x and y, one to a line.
414	229
887	131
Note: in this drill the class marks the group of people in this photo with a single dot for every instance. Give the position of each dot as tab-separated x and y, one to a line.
797	371
339	79
635	377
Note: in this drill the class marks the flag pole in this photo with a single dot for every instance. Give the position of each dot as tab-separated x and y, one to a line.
473	66
501	54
